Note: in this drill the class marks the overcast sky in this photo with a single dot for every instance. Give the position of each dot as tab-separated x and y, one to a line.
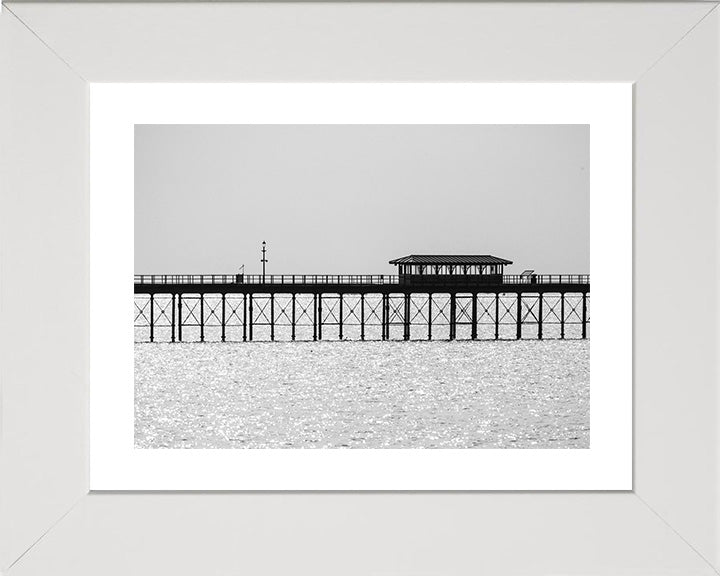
332	199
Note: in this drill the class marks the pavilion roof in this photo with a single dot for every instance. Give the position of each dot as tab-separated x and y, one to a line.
451	259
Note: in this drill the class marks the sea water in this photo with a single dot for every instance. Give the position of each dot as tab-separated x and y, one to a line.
343	394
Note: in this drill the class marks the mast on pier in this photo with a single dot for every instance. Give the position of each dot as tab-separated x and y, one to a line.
263	260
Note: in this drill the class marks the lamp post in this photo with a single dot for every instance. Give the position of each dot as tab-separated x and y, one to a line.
263	260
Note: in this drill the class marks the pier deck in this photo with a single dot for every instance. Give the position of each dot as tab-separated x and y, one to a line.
354	284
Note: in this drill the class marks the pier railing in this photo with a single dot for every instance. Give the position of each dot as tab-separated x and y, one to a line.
267	279
546	279
364	279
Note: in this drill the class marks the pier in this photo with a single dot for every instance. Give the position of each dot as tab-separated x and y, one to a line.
431	297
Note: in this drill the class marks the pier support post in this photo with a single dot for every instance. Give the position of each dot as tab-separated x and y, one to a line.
497	316
202	318
319	332
382	317
152	317
453	311
314	317
222	320
179	302
250	319
244	317
386	316
562	315
362	316
272	317
473	330
172	319
406	318
430	318
340	320
584	316
292	321
518	334
540	316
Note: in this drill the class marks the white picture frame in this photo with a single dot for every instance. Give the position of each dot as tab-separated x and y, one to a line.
50	523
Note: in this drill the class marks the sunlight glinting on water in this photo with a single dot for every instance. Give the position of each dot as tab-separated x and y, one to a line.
507	394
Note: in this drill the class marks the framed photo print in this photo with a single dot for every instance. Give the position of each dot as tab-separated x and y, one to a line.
445	366
283	282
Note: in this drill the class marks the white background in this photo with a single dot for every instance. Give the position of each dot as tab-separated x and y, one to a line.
114	464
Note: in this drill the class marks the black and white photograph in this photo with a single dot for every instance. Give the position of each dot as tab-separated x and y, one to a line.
362	286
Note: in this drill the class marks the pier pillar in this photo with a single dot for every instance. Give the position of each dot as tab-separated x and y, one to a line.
386	316
518	320
406	318
430	318
340	320
272	317
562	315
292	321
179	302
222	320
540	316
382	317
202	318
497	316
362	316
152	317
319	331
453	312
584	316
250	319
473	329
314	317
172	319
244	317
